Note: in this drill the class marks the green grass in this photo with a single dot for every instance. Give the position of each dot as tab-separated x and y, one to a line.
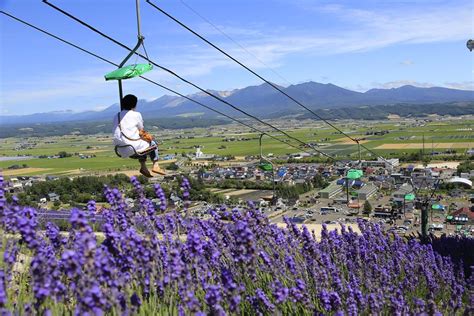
106	161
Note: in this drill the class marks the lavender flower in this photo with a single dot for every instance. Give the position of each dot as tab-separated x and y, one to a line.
163	263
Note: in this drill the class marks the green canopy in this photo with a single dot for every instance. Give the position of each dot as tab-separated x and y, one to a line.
409	197
128	72
437	207
266	166
449	217
354	174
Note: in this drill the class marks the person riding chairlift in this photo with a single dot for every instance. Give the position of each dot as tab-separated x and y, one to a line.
129	130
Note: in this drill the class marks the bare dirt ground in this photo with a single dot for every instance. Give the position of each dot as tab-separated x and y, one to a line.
240	192
427	146
442	164
93	151
436	164
15	172
128	173
346	141
222	191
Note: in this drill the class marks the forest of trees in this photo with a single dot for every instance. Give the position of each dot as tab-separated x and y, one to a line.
378	112
97	127
375	112
80	190
77	190
466	166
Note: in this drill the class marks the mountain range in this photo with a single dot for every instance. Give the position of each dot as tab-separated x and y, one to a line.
264	101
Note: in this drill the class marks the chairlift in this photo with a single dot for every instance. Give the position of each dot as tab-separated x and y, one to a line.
136	154
127	72
470	45
267	166
352	174
264	164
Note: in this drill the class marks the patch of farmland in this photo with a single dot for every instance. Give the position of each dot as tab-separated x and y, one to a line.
16	172
427	145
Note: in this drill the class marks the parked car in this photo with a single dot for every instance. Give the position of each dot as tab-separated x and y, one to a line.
297	219
329	209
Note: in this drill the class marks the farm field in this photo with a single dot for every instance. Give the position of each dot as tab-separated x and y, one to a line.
427	146
404	136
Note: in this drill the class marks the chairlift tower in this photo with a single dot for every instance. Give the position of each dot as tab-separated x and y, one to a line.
267	165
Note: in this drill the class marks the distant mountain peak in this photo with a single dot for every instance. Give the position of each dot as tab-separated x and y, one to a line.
265	101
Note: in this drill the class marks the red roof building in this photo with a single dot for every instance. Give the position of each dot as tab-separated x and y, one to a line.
464	212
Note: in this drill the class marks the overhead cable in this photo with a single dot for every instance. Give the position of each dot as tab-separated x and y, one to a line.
261	77
153	82
234	41
183	79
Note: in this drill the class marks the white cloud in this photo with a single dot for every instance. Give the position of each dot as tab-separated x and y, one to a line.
254	30
150	99
399	83
465	85
55	87
358	30
355	30
42	89
100	108
407	62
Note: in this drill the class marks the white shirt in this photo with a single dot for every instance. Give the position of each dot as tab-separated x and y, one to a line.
131	122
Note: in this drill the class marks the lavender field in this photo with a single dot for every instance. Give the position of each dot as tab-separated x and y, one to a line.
148	262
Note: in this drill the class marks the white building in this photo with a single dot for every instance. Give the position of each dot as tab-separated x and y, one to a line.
382	163
366	192
202	156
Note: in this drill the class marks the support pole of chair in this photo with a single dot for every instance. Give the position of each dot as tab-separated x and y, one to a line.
137	4
120	94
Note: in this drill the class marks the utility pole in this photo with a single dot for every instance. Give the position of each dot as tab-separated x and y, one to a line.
423	152
358	148
424	219
432	146
347	191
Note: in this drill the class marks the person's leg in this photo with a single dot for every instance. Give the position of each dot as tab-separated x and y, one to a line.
154	157
154	154
143	168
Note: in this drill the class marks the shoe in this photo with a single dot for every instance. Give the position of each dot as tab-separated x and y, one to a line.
146	173
159	171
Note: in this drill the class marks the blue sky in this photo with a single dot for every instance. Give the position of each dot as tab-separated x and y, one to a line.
358	45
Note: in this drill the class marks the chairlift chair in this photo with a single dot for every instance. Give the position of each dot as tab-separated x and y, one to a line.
127	72
470	45
136	154
266	165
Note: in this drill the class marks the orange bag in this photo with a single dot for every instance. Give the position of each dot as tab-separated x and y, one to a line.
145	135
